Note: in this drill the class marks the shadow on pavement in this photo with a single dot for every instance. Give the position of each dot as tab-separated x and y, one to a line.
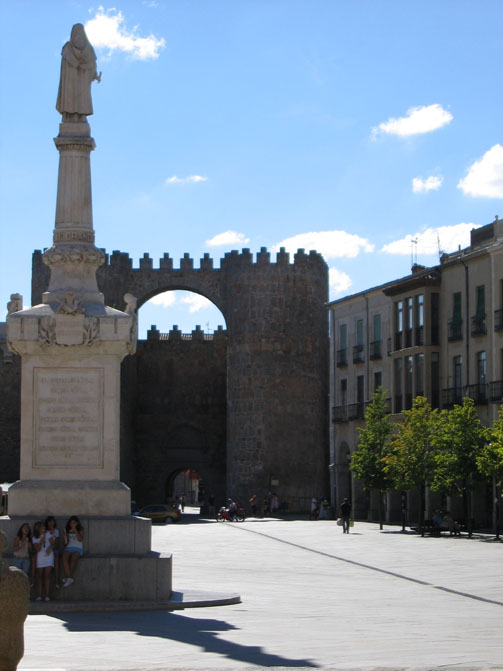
200	632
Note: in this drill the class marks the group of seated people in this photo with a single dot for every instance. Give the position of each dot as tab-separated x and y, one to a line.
444	520
38	553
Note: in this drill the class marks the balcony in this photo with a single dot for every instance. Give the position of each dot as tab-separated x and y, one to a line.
451	397
408	337
479	327
339	414
496	392
356	411
498	320
358	354
478	392
419	336
398	340
375	350
342	358
454	330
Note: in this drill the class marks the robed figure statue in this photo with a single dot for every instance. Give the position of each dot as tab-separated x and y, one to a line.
78	70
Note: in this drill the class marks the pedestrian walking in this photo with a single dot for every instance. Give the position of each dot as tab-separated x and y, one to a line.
345	515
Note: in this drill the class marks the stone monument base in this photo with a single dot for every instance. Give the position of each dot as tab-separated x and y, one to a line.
118	564
63	498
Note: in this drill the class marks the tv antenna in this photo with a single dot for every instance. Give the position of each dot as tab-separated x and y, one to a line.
413	252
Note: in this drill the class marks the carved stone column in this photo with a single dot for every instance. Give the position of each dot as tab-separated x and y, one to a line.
71	347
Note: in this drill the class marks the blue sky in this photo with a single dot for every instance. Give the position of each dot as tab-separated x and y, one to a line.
350	127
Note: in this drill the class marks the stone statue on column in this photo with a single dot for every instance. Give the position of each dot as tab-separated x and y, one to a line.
78	71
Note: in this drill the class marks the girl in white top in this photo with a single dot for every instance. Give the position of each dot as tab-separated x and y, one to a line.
53	531
74	537
43	543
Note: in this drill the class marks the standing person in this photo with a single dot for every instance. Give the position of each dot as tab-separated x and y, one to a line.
182	502
265	506
211	505
253	504
22	549
52	530
73	536
274	503
314	508
345	514
324	509
43	544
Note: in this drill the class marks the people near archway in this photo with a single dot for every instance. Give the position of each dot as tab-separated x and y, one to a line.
274	503
324	507
265	506
177	502
314	508
345	515
182	503
232	508
253	504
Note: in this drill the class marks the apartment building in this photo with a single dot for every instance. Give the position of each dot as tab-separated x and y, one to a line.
438	333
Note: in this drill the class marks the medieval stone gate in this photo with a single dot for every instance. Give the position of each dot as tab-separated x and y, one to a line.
275	396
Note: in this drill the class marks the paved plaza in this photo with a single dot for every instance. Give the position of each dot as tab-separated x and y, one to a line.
312	598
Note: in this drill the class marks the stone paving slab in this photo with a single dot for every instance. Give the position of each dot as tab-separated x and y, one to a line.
312	598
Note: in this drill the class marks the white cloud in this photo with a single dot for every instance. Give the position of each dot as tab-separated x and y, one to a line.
197	302
420	185
417	120
332	244
449	237
107	30
485	177
191	179
227	238
166	300
338	281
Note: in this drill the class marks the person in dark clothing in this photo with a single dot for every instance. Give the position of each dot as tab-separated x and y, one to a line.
345	514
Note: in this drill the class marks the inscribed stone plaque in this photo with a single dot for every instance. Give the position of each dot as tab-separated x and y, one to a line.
68	417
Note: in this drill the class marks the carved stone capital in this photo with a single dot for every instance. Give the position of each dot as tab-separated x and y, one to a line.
59	255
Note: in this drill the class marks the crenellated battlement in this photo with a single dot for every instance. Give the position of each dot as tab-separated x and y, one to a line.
122	260
175	335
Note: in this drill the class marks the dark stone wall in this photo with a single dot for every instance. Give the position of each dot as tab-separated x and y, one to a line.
277	363
179	414
10	415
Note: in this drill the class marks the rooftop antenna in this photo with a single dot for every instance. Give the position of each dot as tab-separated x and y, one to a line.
438	247
413	252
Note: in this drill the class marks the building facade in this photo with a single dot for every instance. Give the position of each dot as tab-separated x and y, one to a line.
436	333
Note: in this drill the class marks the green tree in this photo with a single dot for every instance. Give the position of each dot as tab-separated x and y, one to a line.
490	463
410	461
459	441
367	462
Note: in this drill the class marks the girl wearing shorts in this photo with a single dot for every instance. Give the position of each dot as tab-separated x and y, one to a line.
22	549
73	536
43	543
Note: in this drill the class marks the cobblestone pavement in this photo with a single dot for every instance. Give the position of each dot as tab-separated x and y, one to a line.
312	598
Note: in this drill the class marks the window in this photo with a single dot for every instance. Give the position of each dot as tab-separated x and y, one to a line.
398	324
479	321
481	368
454	330
344	393
398	385
341	354
408	382
358	353
458	378
375	345
408	322
377	380
419	374
419	320
434	319
435	380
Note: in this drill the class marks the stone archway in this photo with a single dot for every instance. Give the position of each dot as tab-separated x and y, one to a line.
277	360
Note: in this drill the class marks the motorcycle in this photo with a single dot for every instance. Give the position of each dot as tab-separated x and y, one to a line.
225	515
